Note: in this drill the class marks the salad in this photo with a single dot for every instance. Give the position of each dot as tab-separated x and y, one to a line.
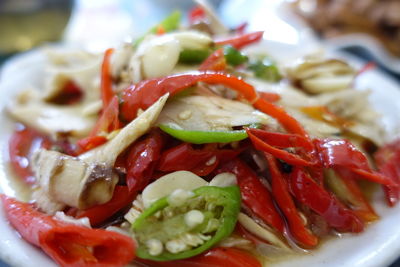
188	148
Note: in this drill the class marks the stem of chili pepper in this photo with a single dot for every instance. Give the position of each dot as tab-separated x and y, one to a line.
285	202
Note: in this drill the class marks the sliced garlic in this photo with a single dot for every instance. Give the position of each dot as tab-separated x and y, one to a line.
167	184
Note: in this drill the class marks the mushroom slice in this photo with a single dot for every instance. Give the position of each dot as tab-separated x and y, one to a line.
209	113
50	119
89	179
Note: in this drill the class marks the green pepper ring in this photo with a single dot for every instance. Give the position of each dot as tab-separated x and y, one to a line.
227	197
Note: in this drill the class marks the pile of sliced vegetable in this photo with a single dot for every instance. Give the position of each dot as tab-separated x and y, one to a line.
186	155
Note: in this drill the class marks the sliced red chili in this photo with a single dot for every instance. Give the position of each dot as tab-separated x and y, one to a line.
107	92
269	96
215	257
122	197
68	244
108	120
215	62
90	142
241	41
260	139
343	154
314	196
196	14
199	161
145	93
387	159
255	195
280	192
141	160
287	121
358	203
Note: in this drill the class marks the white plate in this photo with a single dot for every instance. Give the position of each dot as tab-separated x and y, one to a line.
379	245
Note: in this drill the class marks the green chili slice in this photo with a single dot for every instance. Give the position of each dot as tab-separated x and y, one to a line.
165	223
204	137
265	69
233	56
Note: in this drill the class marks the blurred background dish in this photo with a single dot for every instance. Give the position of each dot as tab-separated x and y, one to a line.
25	24
372	25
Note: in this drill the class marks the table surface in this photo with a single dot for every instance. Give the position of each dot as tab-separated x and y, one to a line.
133	17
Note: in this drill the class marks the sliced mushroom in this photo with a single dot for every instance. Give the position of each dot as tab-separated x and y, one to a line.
83	71
50	119
89	179
208	113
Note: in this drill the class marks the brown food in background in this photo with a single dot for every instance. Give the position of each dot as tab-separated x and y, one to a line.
379	18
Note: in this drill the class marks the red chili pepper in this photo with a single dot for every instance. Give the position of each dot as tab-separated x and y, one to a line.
141	160
199	161
108	120
215	257
266	142
145	93
107	92
367	67
280	192
269	96
287	121
241	27
70	94
160	30
90	142
359	203
241	41
196	14
98	214
255	195
314	196
343	154
21	145
216	61
68	244
387	159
